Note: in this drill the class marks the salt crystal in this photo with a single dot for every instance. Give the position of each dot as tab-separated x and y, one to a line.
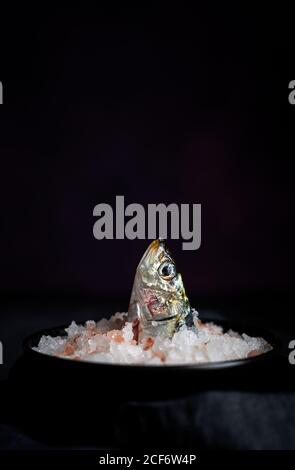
128	332
73	329
98	343
103	325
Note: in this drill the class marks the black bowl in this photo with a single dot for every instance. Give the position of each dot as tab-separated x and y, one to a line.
47	390
145	374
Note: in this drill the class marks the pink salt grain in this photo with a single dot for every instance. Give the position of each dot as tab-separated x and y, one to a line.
148	343
69	349
116	335
253	353
160	355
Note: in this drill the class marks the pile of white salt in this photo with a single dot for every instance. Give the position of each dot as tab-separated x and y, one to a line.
112	341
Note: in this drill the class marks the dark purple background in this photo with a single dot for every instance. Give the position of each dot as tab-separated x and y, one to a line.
164	106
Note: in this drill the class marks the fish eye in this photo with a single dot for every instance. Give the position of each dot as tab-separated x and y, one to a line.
167	270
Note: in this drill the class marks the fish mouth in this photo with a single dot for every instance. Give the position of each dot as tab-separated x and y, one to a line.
152	248
154	245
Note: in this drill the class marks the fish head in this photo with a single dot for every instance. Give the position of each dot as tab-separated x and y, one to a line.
158	293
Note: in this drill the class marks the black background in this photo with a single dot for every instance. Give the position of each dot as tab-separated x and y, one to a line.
159	105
